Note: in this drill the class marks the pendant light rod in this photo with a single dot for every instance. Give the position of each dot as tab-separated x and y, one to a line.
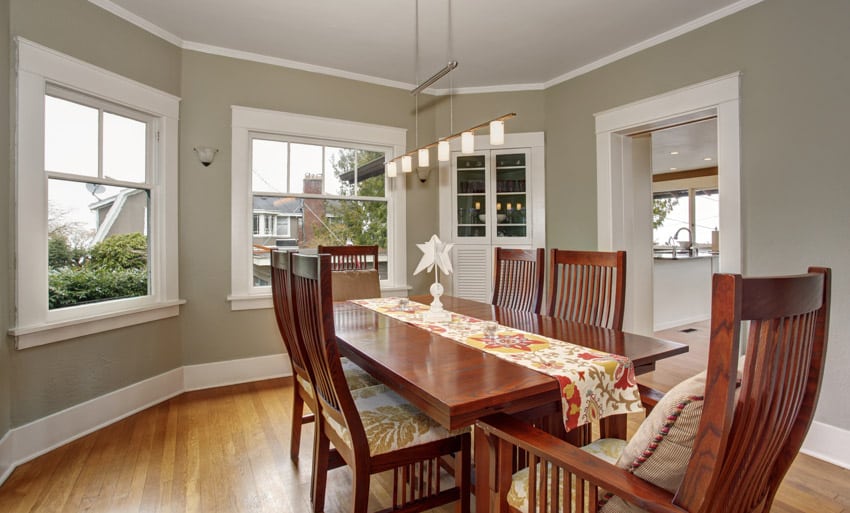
436	76
485	124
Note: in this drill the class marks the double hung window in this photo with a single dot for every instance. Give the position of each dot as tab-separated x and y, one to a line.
96	189
309	181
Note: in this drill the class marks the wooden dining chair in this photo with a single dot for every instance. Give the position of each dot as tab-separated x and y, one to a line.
355	271
588	287
518	278
373	429
711	445
302	386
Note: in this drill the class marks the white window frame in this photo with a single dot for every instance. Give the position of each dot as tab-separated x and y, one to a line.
35	324
245	122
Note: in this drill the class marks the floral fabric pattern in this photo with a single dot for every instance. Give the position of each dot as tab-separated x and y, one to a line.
593	384
390	422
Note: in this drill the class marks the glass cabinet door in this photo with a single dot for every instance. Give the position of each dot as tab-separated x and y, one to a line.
471	196
511	200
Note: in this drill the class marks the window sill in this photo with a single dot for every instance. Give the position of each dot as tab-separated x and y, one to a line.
260	301
41	334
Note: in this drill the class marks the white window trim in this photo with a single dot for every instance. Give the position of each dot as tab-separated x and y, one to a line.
246	120
34	323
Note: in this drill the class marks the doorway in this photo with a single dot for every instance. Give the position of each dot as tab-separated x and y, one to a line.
621	191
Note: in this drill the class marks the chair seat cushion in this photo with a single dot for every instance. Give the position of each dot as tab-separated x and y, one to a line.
607	449
354	376
356	284
357	377
390	422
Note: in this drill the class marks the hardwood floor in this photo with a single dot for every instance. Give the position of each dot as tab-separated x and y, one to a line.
227	450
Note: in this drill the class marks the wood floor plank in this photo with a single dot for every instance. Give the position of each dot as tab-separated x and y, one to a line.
227	450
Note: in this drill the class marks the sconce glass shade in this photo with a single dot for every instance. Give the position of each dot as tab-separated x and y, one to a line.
206	154
392	169
497	132
424	157
467	142
443	151
406	164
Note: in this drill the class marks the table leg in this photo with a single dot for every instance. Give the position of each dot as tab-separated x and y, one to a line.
483	469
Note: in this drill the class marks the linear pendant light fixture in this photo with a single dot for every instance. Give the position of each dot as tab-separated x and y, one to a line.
443	144
496	125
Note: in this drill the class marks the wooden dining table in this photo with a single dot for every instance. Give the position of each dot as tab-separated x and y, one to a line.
455	384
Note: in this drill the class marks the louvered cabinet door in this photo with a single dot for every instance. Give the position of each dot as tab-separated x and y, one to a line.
472	277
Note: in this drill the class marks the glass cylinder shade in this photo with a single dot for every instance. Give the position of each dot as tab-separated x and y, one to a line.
467	142
497	132
424	158
406	164
443	151
392	170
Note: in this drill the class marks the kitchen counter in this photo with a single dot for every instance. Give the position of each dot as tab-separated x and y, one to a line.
682	256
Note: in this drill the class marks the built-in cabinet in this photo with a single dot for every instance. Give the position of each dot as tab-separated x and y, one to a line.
491	197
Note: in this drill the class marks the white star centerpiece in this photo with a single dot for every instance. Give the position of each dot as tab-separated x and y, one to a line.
435	255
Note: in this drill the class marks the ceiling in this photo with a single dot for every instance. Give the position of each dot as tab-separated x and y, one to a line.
685	147
499	44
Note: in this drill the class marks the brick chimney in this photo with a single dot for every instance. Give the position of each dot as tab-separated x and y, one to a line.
313	208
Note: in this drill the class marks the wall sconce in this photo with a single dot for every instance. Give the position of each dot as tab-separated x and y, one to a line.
206	154
423	173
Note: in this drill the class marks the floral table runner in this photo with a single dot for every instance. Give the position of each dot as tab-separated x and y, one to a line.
593	384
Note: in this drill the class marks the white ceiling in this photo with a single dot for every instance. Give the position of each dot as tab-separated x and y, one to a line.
499	44
680	148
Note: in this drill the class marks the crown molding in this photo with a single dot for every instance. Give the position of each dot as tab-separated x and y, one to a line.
119	11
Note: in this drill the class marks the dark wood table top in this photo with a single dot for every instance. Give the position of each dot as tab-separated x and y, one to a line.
456	384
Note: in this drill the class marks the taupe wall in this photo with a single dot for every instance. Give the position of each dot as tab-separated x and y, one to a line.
5	208
50	378
795	68
211	84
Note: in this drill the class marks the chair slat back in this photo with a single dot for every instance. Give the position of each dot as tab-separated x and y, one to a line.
350	258
312	308
283	311
588	287
744	448
518	278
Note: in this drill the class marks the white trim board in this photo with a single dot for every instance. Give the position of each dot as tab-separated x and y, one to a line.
828	443
29	441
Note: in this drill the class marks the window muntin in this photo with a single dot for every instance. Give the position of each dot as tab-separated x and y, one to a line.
98	240
706	214
336	196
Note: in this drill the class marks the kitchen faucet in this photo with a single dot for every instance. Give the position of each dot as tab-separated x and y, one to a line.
690	239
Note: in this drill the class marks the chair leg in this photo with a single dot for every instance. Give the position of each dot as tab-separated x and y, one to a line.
360	484
297	412
321	449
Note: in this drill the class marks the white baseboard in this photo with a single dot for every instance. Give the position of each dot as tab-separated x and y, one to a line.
828	443
208	375
7	464
29	441
680	322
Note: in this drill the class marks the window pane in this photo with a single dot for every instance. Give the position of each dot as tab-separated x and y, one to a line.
268	165
354	172
305	167
669	213
707	214
124	148
70	137
97	243
308	222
